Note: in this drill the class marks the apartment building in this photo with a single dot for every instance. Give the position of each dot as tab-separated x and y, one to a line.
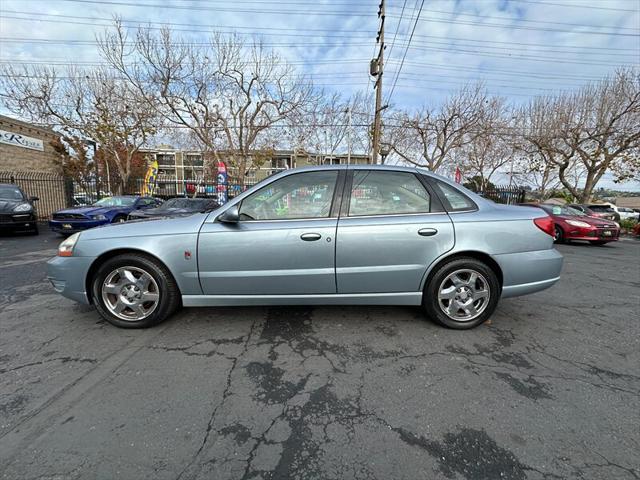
184	166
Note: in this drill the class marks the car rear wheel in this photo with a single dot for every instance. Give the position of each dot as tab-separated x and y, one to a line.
134	291
559	236
462	293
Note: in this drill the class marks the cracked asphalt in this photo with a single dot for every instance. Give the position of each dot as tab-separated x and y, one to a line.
548	388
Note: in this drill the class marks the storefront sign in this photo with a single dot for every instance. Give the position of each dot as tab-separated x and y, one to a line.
18	140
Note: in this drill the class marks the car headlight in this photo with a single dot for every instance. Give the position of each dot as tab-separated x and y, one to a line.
99	217
578	223
65	249
23	207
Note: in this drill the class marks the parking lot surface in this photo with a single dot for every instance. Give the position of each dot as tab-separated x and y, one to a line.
549	388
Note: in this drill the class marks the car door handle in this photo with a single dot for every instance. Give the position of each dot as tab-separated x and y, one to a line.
310	237
427	232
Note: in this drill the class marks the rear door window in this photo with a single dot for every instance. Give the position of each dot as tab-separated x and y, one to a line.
457	200
387	193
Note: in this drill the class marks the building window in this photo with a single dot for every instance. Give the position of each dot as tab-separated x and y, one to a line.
166	159
281	163
331	161
193	160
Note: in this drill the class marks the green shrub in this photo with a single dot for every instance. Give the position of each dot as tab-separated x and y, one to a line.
628	223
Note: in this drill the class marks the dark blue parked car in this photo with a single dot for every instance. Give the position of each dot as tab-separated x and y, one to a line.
105	211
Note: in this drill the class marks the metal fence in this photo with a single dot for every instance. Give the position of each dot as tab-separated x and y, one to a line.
55	191
504	194
52	189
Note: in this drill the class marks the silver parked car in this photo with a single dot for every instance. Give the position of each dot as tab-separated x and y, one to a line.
375	235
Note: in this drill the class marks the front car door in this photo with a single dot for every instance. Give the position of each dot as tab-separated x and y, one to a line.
283	243
391	229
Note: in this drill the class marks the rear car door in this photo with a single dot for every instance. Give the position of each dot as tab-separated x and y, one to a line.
283	243
391	228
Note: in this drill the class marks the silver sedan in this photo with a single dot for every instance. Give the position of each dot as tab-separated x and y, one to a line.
364	235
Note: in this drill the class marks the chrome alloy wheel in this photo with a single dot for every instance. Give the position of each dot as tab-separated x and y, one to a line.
463	295
130	293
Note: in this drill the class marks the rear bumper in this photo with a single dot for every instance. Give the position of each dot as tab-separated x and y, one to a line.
74	225
68	276
529	272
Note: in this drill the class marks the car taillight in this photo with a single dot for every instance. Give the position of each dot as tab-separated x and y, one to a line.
546	225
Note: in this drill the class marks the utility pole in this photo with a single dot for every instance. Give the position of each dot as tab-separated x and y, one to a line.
377	70
348	134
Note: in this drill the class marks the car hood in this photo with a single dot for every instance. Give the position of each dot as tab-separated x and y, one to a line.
596	222
93	210
162	226
7	205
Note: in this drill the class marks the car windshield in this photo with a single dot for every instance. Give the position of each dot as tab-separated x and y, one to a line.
563	210
10	193
116	202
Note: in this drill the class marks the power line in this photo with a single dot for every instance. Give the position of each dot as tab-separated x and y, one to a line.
193	26
363	14
587	7
393	41
417	45
526	27
405	53
524	20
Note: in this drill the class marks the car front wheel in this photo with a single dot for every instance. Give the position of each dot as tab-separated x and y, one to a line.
134	291
462	293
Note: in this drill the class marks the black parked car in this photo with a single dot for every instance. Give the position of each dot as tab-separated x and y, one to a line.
176	207
17	210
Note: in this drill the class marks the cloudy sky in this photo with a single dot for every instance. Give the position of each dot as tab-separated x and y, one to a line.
519	48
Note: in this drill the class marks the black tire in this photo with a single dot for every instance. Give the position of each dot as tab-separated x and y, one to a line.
598	242
431	303
169	294
119	219
559	238
34	231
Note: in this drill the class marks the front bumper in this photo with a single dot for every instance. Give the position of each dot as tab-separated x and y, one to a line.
75	225
68	276
528	272
18	221
591	234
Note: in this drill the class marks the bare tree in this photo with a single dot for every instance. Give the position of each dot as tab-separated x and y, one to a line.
489	147
594	131
430	137
229	94
94	106
331	124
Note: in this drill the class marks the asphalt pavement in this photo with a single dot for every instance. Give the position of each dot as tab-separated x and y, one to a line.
548	388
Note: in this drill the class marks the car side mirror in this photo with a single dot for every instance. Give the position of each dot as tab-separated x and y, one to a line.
230	215
34	199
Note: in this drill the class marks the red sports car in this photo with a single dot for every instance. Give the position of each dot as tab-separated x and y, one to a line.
572	224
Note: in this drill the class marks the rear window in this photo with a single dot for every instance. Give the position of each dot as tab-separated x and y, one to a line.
600	208
456	200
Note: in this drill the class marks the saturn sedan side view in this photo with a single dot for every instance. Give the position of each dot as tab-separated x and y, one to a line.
382	235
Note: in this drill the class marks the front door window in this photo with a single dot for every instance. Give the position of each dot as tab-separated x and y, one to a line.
298	196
